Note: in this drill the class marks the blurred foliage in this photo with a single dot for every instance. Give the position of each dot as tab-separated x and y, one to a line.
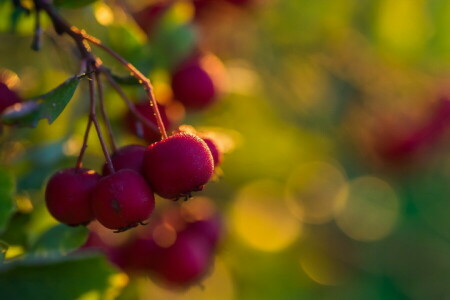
314	90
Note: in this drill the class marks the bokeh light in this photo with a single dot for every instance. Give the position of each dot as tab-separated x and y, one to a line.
261	218
370	211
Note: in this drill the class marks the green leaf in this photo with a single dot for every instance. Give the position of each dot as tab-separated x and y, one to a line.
48	106
6	198
3	248
73	3
126	80
59	278
60	239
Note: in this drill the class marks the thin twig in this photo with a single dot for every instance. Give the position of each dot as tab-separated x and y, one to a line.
37	37
93	117
136	73
129	103
103	111
84	146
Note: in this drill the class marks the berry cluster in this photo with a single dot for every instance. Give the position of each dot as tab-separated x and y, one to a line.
176	250
173	168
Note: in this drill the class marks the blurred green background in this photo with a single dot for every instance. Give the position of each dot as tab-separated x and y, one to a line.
318	198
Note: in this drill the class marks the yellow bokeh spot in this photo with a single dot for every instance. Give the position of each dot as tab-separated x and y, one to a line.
371	209
312	192
14	251
261	218
90	295
103	14
23	203
323	269
403	24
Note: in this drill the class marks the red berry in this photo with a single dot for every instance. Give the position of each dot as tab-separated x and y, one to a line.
68	195
149	17
127	157
178	265
183	263
178	165
7	97
214	148
193	85
122	200
136	127
209	229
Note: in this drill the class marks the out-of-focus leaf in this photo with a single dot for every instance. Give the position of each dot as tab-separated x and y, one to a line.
16	231
6	197
3	249
48	106
60	238
174	42
58	278
73	3
127	80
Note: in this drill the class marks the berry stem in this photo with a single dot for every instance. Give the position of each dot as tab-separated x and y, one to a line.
93	117
84	146
37	36
128	102
136	73
103	113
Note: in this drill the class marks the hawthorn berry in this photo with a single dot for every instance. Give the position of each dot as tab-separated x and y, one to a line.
215	151
68	195
195	85
178	165
136	127
179	265
122	200
127	157
7	97
209	229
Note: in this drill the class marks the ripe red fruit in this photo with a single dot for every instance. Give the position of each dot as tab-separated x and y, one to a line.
209	229
214	148
194	85
68	195
149	17
127	157
136	127
7	97
183	263
178	165
122	200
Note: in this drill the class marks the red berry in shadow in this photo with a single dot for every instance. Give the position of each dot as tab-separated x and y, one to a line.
127	157
68	195
122	200
178	165
406	147
7	97
214	148
179	265
193	85
149	17
209	229
136	127
183	263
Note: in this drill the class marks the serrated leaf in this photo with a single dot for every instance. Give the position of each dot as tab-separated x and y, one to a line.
6	198
48	106
60	239
73	3
59	278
